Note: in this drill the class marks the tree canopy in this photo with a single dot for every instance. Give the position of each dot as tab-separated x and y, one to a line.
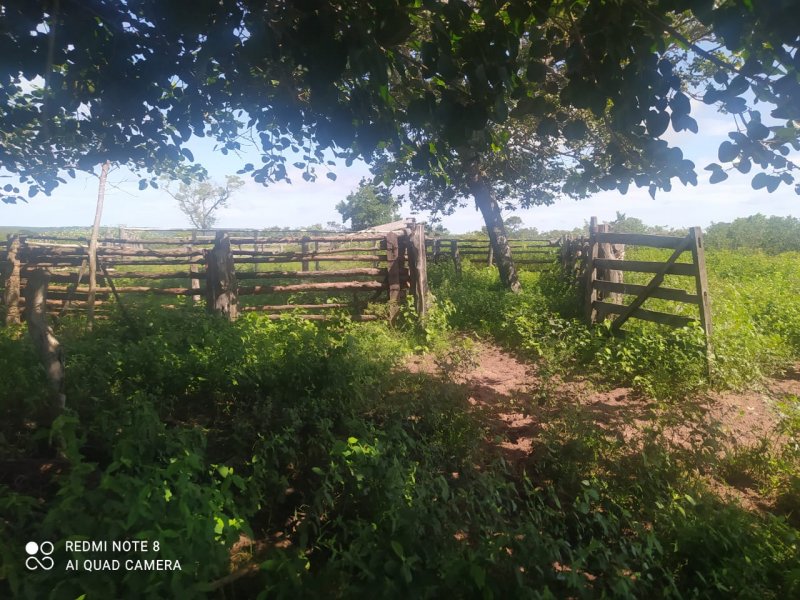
368	206
200	199
452	96
132	81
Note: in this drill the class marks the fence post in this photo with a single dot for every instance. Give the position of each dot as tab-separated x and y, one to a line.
11	281
491	254
46	344
394	264
418	261
221	286
316	251
591	273
304	251
701	283
437	250
194	282
456	256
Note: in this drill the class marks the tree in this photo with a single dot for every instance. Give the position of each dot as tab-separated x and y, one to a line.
368	206
199	199
430	84
513	224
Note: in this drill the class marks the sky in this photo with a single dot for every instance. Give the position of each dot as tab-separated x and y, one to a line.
302	203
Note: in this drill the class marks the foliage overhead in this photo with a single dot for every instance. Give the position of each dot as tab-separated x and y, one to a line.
368	206
422	80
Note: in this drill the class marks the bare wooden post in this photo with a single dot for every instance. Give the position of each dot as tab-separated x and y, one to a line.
255	250
701	283
98	213
437	250
11	281
418	261
221	285
304	251
591	273
456	256
394	264
74	287
316	251
46	344
195	282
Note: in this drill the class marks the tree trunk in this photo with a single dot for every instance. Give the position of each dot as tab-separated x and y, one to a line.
487	203
46	344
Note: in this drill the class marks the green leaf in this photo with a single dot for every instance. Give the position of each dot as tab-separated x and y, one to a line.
187	153
760	181
727	151
680	104
656	122
398	549
718	176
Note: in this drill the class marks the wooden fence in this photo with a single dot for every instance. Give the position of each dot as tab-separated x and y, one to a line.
600	261
531	254
307	272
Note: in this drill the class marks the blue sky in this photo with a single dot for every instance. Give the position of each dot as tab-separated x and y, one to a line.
301	203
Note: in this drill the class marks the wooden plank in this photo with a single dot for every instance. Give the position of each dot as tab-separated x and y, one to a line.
12	281
394	263
701	285
358	318
286	307
74	287
645	315
455	252
640	239
394	226
298	258
659	292
656	281
418	263
365	271
136	275
591	274
305	253
132	289
642	266
328	286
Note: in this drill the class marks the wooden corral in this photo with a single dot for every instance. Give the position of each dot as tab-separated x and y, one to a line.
307	272
530	254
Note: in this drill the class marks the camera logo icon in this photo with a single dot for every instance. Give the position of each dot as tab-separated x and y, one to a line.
34	550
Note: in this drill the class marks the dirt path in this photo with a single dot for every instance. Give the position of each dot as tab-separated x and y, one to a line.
515	401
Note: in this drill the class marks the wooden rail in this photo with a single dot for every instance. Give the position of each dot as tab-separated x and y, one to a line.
543	252
599	261
372	266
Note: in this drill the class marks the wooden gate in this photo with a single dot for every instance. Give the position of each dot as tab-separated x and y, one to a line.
601	288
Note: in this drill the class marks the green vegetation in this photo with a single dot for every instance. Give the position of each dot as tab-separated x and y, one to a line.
368	206
308	451
770	234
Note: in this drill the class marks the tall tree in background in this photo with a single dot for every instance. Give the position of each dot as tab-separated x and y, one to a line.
368	206
200	199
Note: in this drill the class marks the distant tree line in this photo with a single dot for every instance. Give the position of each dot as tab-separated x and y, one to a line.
770	234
